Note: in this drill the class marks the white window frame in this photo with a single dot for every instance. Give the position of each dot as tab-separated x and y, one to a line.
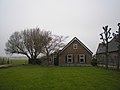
75	46
70	58
51	59
81	58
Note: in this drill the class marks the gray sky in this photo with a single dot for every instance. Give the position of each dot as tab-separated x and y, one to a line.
81	18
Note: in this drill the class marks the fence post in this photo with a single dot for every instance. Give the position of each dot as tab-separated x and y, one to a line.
8	61
3	61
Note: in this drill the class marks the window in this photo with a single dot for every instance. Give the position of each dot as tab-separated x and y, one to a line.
81	58
69	58
74	46
50	60
116	57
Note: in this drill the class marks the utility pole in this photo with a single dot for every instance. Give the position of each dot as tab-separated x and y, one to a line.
105	36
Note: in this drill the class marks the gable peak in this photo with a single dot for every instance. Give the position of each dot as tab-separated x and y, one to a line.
75	38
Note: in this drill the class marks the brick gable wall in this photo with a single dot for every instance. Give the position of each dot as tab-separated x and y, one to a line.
80	50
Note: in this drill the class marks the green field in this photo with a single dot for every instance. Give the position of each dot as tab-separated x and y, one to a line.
58	78
18	62
13	61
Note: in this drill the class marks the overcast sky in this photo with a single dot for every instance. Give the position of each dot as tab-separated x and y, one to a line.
83	19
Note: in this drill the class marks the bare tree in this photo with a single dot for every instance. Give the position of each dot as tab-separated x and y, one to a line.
105	36
55	44
29	42
117	37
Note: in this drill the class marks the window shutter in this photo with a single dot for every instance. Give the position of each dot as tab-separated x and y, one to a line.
66	59
73	58
85	58
78	58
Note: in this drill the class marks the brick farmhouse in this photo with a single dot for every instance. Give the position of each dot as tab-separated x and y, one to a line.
75	53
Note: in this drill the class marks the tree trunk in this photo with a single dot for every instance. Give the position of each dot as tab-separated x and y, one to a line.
118	61
47	59
106	36
29	61
106	65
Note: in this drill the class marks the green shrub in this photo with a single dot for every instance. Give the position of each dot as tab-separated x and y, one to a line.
42	60
94	62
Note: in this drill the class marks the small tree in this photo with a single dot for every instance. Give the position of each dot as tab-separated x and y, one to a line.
105	36
117	37
55	44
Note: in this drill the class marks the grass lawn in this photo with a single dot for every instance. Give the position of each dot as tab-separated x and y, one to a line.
58	78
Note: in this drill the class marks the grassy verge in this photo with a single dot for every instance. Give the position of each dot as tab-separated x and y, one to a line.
58	78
